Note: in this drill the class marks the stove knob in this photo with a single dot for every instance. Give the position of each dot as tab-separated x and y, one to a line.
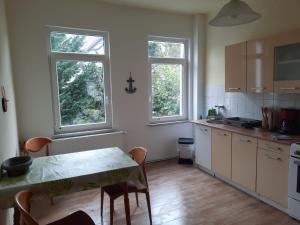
297	152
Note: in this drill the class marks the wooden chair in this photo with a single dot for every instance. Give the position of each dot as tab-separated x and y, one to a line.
22	201
37	143
114	191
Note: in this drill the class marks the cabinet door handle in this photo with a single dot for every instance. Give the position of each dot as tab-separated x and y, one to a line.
258	88
234	89
274	158
288	88
245	140
222	134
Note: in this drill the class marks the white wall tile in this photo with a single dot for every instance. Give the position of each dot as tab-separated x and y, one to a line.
248	105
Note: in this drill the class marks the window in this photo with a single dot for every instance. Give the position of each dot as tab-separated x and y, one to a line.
168	75
80	79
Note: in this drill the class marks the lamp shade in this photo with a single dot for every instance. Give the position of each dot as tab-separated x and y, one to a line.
235	12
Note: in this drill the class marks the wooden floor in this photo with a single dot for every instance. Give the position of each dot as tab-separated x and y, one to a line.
180	195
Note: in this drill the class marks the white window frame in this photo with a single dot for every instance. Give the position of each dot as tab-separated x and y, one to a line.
184	82
54	57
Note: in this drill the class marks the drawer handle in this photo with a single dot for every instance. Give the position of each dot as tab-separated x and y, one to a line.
222	134
247	141
288	88
274	148
274	158
234	89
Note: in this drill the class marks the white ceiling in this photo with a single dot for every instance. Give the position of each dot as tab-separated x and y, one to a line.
181	6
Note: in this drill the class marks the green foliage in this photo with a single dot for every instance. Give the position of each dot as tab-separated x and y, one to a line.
165	90
81	84
165	49
166	79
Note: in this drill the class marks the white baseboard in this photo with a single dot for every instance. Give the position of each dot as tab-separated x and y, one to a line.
210	172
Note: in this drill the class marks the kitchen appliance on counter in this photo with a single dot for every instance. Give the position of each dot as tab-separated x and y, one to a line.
294	182
242	122
288	121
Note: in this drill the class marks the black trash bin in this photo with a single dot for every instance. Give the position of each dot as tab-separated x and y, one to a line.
185	149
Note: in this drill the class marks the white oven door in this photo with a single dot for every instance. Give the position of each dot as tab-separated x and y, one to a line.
294	178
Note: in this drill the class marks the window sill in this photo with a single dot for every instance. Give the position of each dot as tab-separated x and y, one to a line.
86	133
167	123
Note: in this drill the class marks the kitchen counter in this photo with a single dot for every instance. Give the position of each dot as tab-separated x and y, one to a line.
254	132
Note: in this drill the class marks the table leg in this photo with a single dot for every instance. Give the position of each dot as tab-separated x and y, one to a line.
126	203
16	216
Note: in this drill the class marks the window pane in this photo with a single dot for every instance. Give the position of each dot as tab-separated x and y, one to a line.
81	92
74	43
166	89
165	49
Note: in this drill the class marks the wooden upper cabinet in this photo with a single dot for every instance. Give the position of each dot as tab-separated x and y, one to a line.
287	62
235	67
260	65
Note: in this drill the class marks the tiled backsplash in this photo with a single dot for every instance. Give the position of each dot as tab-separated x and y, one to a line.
247	105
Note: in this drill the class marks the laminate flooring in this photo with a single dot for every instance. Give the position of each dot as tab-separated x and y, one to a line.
180	195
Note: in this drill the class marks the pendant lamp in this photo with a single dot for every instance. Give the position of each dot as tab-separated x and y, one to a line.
235	12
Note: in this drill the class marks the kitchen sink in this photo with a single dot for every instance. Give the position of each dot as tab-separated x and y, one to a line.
242	122
236	122
215	121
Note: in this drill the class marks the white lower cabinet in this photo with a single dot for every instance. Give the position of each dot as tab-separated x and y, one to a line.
203	146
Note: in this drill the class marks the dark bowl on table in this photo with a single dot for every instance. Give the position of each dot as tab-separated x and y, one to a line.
16	166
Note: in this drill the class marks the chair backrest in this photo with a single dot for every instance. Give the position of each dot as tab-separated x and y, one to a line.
37	143
22	199
139	155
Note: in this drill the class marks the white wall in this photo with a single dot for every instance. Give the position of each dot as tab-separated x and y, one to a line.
8	122
128	29
277	16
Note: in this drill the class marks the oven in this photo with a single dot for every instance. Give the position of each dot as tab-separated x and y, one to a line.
294	182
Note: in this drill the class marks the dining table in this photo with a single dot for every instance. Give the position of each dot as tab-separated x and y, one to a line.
63	174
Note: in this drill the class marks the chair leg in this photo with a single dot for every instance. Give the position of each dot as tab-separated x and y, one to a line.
16	220
149	206
126	203
111	211
137	198
102	200
51	201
